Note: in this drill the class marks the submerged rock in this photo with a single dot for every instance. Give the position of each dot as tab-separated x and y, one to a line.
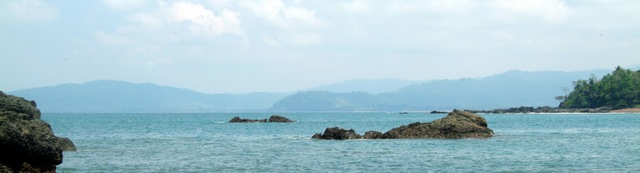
273	119
337	133
457	124
27	143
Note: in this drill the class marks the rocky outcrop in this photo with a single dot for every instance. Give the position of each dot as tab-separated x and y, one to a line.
272	119
373	135
27	143
337	133
66	144
241	120
457	124
279	119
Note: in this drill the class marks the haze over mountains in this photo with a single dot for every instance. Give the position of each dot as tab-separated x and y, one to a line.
509	89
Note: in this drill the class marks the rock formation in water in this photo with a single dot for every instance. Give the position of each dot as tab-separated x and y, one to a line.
242	120
66	144
457	124
373	135
337	133
27	144
279	119
272	119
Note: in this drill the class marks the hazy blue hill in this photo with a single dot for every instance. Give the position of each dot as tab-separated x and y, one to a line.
509	89
117	96
373	86
327	101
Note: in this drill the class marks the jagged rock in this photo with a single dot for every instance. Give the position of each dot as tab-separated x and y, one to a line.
457	124
279	119
66	144
373	135
273	119
27	143
240	120
337	133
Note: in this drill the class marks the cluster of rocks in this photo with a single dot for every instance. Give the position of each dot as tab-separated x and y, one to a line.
457	124
543	109
272	119
27	143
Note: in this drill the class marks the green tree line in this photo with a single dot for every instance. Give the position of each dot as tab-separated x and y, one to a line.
617	90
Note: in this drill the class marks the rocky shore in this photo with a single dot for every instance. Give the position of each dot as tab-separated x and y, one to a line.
544	109
272	119
457	124
27	143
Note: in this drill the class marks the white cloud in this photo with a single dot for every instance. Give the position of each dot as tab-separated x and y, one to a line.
305	39
29	10
431	6
202	20
552	10
284	16
359	6
146	19
124	4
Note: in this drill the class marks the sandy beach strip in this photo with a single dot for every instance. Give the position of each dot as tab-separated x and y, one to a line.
628	110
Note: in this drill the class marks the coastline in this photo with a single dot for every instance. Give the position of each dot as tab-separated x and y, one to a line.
627	110
544	109
552	110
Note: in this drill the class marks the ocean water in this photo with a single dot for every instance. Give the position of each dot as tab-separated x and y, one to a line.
206	142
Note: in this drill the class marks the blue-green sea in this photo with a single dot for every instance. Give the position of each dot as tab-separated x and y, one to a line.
206	142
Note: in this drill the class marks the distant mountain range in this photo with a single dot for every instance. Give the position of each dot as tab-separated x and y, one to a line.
509	89
108	96
373	86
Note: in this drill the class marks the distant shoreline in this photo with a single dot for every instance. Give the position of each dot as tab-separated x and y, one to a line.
627	110
553	110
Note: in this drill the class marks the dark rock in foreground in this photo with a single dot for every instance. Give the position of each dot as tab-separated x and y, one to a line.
457	124
27	143
272	119
337	133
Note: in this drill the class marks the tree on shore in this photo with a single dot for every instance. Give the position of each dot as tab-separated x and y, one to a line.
620	89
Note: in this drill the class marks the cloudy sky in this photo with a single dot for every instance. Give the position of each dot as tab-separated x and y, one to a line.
219	46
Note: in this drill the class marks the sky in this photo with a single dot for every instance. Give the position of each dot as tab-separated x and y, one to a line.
239	46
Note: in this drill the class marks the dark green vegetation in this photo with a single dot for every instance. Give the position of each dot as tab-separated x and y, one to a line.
617	90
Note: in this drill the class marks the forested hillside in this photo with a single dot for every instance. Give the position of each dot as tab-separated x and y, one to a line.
620	89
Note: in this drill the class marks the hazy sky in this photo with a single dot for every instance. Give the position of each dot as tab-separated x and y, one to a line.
242	46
